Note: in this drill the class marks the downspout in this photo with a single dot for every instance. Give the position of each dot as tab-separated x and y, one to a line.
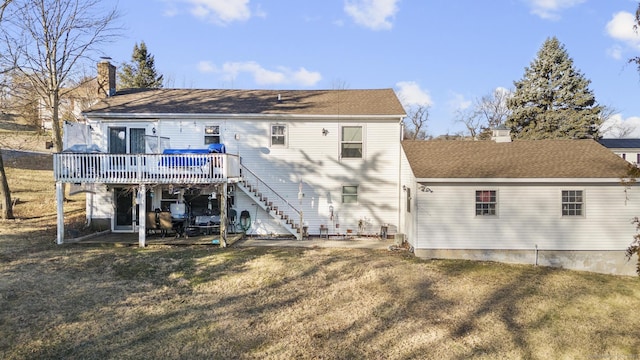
401	224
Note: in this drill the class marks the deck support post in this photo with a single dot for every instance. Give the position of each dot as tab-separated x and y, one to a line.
142	214
223	215
60	212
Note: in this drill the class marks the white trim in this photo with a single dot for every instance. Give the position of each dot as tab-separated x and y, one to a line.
107	116
516	180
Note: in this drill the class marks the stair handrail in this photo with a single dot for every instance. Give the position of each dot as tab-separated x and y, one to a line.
244	168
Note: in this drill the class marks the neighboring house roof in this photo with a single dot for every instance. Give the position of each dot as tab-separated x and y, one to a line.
620	143
297	102
518	159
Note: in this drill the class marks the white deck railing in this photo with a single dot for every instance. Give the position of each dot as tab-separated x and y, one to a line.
145	168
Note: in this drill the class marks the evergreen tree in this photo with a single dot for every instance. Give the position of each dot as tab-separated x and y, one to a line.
553	100
141	72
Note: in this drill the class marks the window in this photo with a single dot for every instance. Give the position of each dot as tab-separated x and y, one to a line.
350	194
212	134
485	202
572	202
351	144
278	135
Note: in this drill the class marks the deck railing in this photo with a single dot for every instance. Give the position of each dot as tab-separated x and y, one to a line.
145	168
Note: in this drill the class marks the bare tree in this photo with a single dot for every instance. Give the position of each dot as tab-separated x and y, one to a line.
611	127
48	40
416	122
486	113
6	208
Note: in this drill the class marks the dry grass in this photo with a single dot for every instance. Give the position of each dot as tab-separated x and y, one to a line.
94	302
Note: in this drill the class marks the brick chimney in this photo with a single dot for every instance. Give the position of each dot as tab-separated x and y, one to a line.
106	78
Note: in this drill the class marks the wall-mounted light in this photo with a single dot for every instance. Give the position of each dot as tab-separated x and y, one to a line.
153	130
404	187
325	132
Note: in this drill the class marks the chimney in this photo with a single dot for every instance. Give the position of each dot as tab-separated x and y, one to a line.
501	134
106	78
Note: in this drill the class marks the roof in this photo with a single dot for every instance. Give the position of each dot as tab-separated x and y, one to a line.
300	102
534	159
620	143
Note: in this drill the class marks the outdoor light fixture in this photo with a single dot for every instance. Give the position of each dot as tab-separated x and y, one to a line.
153	130
325	132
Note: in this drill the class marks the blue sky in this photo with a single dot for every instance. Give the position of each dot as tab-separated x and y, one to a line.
441	53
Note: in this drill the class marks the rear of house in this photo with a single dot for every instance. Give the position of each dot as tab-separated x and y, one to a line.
307	159
547	202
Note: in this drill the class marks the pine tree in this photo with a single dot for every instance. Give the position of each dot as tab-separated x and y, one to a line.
141	72
552	100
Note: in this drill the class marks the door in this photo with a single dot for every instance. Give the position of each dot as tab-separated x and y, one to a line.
124	210
117	145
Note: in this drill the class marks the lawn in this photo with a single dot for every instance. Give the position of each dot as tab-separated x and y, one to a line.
189	302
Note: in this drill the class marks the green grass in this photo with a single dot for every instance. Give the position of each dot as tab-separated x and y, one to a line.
203	302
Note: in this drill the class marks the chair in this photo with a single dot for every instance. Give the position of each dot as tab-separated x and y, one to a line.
164	222
152	222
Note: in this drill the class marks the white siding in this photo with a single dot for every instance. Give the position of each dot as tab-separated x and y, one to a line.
527	216
310	159
408	219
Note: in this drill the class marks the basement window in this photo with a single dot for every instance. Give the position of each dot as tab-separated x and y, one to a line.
350	194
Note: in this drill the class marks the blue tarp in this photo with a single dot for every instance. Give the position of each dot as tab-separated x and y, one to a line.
189	161
213	148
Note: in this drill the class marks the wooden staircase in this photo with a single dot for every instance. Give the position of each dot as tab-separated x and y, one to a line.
270	201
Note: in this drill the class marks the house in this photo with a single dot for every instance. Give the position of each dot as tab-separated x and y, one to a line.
290	162
628	149
333	163
546	202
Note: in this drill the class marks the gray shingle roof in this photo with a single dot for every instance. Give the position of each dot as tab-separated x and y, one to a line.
620	143
518	159
300	102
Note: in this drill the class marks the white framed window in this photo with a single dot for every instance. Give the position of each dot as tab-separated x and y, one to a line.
486	203
351	144
212	134
350	194
278	135
572	203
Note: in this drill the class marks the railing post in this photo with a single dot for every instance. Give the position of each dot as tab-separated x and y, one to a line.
142	215
60	211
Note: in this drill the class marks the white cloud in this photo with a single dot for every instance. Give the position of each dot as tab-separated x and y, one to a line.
220	12
206	67
617	126
410	94
458	102
550	9
620	28
261	76
373	14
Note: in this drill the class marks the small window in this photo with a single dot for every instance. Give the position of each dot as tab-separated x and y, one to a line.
212	134
278	135
485	203
350	194
351	144
572	203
